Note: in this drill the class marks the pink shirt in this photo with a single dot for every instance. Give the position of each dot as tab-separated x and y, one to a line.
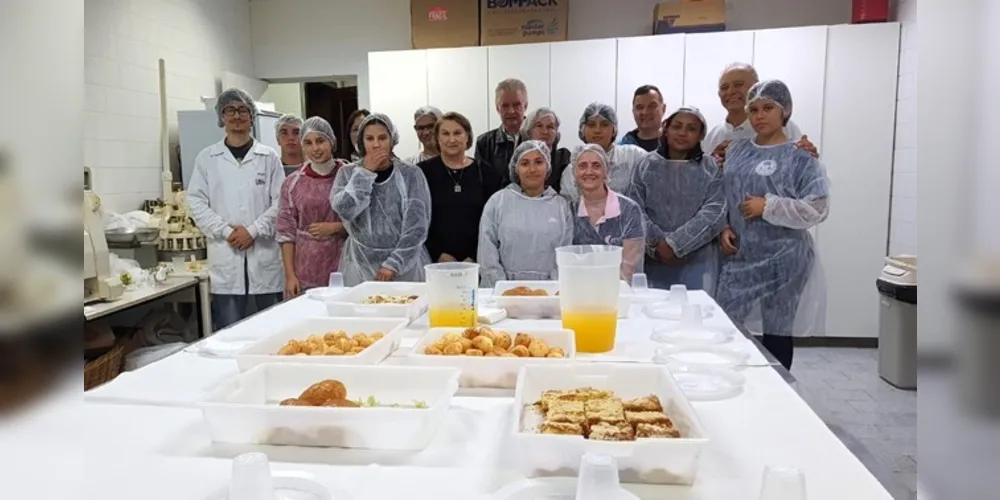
612	208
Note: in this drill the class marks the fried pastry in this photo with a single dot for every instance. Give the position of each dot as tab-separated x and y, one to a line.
470	333
604	410
520	351
555	352
292	347
603	431
474	352
454	349
432	350
321	391
538	348
503	341
482	343
647	417
342	403
563	428
523	339
295	402
656	431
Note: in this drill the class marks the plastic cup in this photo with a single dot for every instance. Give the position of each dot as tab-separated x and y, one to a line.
336	280
691	316
679	295
783	483
640	286
598	478
252	478
588	294
451	294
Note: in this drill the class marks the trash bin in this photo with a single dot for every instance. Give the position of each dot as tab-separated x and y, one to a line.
897	321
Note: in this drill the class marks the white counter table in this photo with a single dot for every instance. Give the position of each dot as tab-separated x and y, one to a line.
152	444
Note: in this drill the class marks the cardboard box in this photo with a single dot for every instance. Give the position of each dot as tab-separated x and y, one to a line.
444	23
689	16
504	22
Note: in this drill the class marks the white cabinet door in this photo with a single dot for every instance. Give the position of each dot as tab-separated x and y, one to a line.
649	60
397	83
456	81
528	63
582	72
858	131
705	56
796	56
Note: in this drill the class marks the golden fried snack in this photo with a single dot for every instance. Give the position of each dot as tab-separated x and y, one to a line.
499	351
562	428
294	402
362	340
318	351
353	343
343	344
503	341
319	392
330	338
555	352
433	350
565	411
517	291
604	410
645	403
656	431
482	343
470	333
648	417
466	344
520	351
291	347
538	292
523	339
341	403
603	431
538	348
491	354
356	350
333	351
376	336
474	352
509	355
448	338
453	349
488	333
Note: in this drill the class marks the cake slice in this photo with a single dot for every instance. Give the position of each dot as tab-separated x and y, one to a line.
603	431
656	431
604	410
645	403
565	411
561	428
647	417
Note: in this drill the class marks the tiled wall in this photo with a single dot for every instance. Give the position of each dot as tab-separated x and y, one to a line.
903	222
123	41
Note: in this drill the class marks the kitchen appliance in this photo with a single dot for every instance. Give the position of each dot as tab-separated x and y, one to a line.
98	283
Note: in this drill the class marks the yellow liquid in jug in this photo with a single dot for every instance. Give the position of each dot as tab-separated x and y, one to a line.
594	331
452	317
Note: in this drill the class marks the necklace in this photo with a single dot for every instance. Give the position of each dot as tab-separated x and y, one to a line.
451	173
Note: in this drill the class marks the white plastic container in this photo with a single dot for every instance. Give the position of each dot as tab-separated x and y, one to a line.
266	350
655	461
245	409
348	302
534	307
492	372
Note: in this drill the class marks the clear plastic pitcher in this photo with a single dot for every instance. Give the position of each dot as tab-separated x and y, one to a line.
588	294
451	293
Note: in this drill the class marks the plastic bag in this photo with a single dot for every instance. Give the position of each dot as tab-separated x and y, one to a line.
129	221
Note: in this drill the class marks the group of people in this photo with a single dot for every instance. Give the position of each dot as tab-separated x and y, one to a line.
725	209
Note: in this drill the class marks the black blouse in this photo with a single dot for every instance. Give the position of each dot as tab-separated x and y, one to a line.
457	201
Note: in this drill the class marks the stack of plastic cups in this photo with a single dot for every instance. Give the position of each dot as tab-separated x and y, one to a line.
598	479
252	478
783	483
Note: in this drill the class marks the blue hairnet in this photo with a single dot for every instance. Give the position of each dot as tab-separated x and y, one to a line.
525	148
234	95
427	111
319	125
691	110
590	148
287	119
603	110
376	119
532	119
772	90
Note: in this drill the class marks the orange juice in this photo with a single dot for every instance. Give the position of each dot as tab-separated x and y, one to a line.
594	331
452	317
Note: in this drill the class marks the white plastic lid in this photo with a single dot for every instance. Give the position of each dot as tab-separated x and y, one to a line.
702	356
554	488
700	383
685	335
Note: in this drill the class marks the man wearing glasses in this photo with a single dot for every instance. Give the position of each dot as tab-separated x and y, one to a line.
233	195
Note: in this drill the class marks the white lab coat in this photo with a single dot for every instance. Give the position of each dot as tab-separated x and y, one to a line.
726	132
223	193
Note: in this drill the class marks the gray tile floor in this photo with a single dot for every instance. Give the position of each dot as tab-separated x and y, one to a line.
843	387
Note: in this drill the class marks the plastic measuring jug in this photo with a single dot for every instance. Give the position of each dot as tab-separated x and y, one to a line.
451	293
588	294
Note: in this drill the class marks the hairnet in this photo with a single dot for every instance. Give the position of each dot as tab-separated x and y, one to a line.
591	148
691	110
287	119
532	119
772	90
234	95
603	110
376	119
427	111
319	125
525	148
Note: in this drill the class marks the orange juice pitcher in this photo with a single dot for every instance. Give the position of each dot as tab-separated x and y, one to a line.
588	294
451	294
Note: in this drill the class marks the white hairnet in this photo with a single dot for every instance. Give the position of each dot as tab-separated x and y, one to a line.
319	125
525	148
591	148
427	111
603	110
772	90
287	119
739	66
231	96
691	110
380	119
532	119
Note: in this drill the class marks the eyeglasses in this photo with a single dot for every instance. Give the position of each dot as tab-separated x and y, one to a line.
423	128
230	112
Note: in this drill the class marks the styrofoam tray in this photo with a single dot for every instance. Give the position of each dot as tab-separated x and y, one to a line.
348	302
658	461
493	372
266	350
245	409
534	307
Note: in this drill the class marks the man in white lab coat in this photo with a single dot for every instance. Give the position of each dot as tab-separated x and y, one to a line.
233	195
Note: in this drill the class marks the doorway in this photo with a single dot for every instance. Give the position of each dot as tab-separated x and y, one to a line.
334	101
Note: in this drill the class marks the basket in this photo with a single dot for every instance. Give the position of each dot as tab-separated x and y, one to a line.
104	368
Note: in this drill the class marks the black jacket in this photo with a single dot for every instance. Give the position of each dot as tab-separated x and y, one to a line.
560	159
494	149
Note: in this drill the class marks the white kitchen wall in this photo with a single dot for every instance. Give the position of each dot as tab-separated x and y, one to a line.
199	40
903	218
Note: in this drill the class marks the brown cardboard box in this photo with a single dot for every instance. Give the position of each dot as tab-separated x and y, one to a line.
689	16
505	22
444	23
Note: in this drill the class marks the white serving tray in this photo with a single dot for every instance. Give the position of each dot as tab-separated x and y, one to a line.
656	461
348	301
493	372
245	409
538	307
266	349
